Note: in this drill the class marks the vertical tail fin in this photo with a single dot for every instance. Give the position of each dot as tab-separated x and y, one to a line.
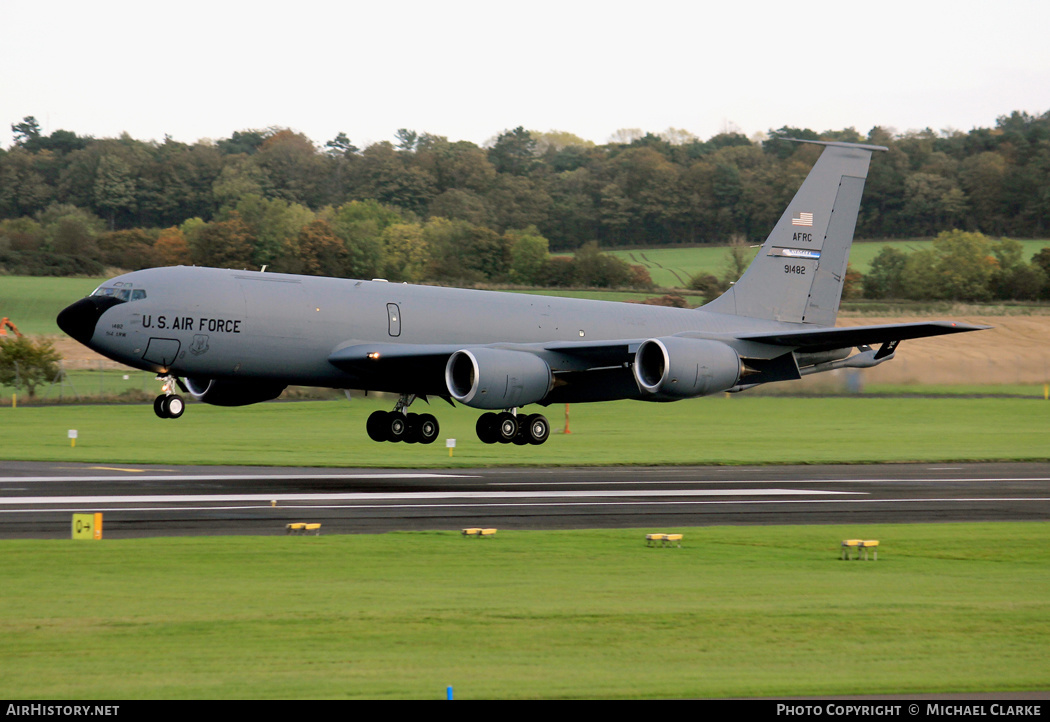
797	276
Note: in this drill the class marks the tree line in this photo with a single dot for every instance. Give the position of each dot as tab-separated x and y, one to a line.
423	207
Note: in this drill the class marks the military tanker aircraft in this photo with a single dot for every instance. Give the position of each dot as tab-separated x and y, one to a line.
233	337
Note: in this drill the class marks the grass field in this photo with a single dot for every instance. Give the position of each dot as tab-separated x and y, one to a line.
714	430
673	267
738	611
32	303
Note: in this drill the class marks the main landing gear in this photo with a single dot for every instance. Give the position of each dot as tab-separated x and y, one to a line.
507	427
511	428
397	425
169	405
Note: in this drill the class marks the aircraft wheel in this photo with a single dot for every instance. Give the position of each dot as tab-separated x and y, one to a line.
506	427
412	433
539	429
158	406
486	428
427	429
396	427
376	426
174	405
522	437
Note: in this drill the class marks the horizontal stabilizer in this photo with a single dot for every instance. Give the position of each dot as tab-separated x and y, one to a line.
827	339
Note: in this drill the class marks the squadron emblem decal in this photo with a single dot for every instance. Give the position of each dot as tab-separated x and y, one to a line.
200	345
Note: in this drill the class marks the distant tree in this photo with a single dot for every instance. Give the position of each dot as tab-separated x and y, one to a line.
70	230
360	225
60	142
21	234
558	272
406	256
319	251
640	277
965	265
171	248
558	140
243	141
406	139
600	270
114	188
737	258
709	285
274	223
25	363
775	144
626	136
26	132
460	205
226	244
293	166
528	253
678	136
1042	260
341	146
919	278
514	152
884	277
131	249
24	190
1014	278
852	283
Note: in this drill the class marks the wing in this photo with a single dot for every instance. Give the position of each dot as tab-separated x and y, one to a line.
420	368
599	370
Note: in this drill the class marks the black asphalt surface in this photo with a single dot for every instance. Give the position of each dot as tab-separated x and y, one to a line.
37	499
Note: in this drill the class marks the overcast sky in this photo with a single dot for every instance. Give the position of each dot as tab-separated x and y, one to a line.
470	70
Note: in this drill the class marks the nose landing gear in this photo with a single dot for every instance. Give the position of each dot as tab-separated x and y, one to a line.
169	405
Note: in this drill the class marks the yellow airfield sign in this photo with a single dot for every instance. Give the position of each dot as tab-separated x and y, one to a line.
87	526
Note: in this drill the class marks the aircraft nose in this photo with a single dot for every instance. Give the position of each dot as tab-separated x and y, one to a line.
79	319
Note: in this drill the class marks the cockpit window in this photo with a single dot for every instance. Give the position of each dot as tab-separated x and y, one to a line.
122	294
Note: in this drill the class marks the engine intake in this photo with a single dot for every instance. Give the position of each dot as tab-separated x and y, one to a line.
492	378
238	392
678	368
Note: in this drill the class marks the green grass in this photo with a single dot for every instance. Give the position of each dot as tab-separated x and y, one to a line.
738	611
32	303
1038	391
714	430
92	384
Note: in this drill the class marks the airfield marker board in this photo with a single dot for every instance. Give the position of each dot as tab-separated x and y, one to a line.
87	526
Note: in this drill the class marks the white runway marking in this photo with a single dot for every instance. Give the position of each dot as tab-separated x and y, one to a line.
768	481
471	505
399	496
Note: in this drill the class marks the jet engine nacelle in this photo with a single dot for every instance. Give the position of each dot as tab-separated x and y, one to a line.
677	368
233	393
492	378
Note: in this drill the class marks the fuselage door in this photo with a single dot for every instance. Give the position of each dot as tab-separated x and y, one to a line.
393	314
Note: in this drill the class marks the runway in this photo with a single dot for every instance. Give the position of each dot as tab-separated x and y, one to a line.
37	499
